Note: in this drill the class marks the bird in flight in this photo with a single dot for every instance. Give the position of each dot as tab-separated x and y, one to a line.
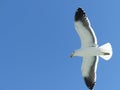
89	48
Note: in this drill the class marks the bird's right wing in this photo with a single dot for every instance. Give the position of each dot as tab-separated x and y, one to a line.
89	66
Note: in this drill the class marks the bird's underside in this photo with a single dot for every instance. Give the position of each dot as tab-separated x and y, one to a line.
89	49
88	40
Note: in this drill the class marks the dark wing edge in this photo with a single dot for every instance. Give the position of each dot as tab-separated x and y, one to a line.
89	83
81	16
91	79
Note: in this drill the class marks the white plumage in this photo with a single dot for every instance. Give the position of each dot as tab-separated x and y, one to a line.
89	48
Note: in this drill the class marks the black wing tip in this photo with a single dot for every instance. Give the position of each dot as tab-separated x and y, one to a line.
89	83
79	14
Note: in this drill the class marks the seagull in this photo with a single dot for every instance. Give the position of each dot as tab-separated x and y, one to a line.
89	50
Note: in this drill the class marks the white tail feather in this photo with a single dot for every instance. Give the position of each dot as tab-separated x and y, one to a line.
106	49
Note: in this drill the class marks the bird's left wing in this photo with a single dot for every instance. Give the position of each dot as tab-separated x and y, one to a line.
84	29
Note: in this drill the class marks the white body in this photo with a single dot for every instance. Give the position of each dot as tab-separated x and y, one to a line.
104	51
89	49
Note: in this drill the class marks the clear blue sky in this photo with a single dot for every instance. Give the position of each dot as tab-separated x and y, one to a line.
37	37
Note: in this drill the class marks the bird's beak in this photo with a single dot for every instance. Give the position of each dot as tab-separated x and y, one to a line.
71	55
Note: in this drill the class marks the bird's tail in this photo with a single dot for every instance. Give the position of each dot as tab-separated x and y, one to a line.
106	50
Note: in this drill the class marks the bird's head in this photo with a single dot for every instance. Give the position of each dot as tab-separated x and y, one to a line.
77	52
72	54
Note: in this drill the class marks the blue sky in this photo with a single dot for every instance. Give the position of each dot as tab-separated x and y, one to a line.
37	37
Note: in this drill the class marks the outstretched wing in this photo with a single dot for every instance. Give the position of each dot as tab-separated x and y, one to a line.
88	39
84	29
89	66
